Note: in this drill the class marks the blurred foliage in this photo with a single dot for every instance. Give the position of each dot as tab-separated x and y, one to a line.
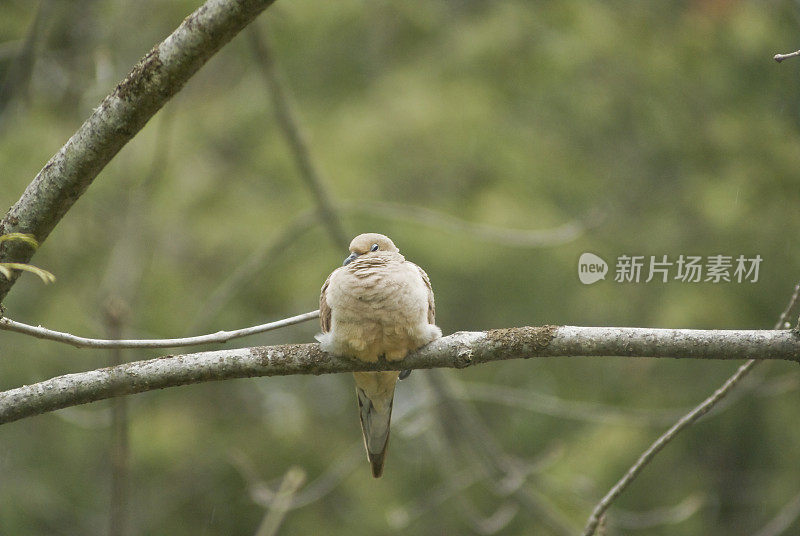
670	119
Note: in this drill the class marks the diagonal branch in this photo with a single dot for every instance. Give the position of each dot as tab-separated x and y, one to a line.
282	501
290	127
456	351
151	83
599	510
258	261
598	513
783	520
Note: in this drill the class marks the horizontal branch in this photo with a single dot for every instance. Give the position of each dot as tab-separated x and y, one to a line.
118	118
459	350
83	342
780	57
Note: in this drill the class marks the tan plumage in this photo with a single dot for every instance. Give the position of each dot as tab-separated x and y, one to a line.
377	304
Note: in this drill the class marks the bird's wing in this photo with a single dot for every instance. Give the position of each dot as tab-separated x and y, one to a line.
324	309
431	304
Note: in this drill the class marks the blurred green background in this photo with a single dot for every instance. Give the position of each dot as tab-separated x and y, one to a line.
658	128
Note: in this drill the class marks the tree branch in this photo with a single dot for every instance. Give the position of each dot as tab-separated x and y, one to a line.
597	516
780	57
82	342
259	261
290	127
281	502
599	511
456	351
518	238
783	520
151	83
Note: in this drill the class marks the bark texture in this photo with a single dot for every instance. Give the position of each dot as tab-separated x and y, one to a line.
159	75
459	350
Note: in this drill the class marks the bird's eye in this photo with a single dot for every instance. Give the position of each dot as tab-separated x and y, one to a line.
374	247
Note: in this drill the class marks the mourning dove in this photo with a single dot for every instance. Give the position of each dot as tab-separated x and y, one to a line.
376	304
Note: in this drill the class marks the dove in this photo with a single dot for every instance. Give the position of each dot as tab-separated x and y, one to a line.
376	305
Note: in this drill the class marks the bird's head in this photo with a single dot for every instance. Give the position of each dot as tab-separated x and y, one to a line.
367	243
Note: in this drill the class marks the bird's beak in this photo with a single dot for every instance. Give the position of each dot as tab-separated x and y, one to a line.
350	259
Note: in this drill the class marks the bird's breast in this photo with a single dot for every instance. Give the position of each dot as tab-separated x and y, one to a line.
385	295
378	310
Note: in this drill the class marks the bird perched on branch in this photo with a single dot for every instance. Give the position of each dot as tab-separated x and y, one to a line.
377	304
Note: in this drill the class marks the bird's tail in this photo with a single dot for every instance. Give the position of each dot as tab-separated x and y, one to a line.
375	392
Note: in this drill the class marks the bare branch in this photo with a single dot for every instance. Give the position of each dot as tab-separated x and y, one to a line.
599	511
332	477
282	501
114	316
597	515
782	322
151	83
18	75
780	57
290	126
666	515
456	351
522	238
507	474
258	261
564	408
458	481
82	342
783	520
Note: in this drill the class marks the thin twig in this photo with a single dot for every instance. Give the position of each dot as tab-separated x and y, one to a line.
18	73
780	57
82	342
507	474
782	320
115	313
523	238
567	409
127	257
783	520
458	480
290	127
258	262
401	517
660	443
281	502
262	494
332	477
118	290
600	509
159	75
665	515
